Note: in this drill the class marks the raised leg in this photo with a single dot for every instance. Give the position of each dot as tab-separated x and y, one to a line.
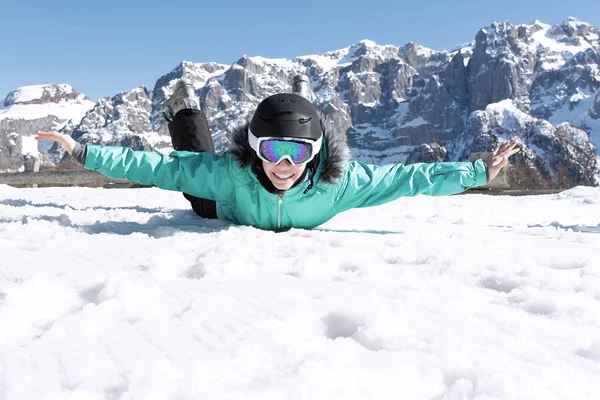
189	131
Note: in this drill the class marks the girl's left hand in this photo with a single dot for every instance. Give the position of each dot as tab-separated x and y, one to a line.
499	158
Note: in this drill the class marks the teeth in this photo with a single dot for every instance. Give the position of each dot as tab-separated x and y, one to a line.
283	176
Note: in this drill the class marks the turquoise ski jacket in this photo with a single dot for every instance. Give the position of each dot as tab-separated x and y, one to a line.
333	186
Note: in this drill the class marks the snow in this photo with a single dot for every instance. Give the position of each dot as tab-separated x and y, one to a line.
282	63
29	145
593	128
423	51
154	138
326	62
346	56
578	96
127	294
415	122
390	155
34	92
549	43
198	73
65	110
559	52
576	112
371	132
368	43
508	115
463	47
325	96
370	104
330	60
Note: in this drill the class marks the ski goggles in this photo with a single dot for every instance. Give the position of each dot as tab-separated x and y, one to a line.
275	149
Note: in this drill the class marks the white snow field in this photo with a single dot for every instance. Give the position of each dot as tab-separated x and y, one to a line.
127	294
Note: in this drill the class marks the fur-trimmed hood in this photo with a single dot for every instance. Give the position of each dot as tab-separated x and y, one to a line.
327	167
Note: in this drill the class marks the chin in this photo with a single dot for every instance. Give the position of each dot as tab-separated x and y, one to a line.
282	187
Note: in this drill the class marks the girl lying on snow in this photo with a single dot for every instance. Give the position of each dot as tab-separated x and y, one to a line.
283	170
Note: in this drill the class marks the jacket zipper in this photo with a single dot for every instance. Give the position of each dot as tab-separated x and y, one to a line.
279	202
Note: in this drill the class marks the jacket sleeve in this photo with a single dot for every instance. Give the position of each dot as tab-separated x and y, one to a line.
203	175
370	185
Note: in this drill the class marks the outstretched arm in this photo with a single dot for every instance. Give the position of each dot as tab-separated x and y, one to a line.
203	175
370	185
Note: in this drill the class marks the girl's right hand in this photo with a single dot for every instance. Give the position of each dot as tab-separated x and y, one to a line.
65	140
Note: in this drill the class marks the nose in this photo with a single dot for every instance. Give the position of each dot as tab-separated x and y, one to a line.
284	163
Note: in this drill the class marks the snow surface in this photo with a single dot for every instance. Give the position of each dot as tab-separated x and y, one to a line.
125	293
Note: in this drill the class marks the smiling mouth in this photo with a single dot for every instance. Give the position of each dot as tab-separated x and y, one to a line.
283	177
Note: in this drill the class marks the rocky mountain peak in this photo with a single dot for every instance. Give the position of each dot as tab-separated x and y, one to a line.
368	48
43	94
414	54
351	55
575	33
567	38
500	37
573	26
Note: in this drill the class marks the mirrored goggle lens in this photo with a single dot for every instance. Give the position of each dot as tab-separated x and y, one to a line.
274	150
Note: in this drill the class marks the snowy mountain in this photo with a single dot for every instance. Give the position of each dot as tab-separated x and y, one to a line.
30	109
35	102
409	102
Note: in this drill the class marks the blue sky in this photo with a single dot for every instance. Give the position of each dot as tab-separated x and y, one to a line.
104	47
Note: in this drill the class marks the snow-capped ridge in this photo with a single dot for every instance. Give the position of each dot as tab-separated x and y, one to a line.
538	23
506	111
197	73
348	55
367	43
43	94
418	49
259	61
575	33
368	48
40	101
468	46
575	23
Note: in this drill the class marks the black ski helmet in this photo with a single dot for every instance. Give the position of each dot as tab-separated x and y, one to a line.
286	115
